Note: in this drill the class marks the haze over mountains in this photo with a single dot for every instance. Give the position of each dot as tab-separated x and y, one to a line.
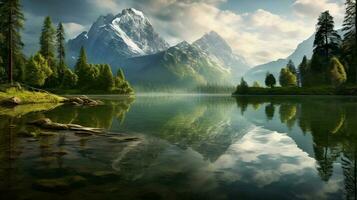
258	73
129	41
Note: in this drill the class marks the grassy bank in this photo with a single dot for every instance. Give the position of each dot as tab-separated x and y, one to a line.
325	90
27	96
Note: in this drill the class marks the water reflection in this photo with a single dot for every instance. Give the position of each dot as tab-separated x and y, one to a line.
197	147
332	125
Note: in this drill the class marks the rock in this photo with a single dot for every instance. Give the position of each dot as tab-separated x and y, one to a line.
13	101
77	100
82	101
75	104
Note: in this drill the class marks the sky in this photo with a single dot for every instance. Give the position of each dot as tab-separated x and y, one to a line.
259	30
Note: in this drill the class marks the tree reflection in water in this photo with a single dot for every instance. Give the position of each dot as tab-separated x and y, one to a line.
332	125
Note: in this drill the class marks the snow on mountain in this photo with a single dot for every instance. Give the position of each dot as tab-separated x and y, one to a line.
219	51
112	38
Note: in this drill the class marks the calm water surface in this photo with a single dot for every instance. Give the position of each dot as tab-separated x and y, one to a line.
190	147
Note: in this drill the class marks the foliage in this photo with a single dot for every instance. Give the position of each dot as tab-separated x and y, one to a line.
243	87
60	43
327	40
105	79
37	70
350	40
337	72
70	79
303	70
291	67
287	78
11	23
28	97
256	84
270	80
47	50
100	77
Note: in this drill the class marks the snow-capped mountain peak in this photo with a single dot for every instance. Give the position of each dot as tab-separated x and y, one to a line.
115	37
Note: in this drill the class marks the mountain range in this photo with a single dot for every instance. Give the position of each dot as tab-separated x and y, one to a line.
258	73
128	40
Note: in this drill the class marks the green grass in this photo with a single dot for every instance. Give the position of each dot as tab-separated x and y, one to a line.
30	97
321	90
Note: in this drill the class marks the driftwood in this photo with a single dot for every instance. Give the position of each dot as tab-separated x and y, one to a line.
46	123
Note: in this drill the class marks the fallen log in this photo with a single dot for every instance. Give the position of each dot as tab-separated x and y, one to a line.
46	123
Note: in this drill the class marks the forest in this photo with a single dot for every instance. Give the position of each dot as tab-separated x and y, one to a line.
333	64
47	69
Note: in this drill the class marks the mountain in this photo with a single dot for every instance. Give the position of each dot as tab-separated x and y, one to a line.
184	66
112	38
258	73
220	52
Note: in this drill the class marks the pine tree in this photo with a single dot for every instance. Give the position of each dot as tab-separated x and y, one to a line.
350	37
84	70
47	50
327	40
243	87
11	23
61	53
105	79
303	69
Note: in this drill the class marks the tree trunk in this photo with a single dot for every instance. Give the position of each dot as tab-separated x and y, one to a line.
355	57
10	49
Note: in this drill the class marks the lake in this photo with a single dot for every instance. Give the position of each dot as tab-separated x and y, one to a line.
190	147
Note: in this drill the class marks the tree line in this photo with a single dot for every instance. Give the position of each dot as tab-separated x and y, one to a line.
47	68
334	59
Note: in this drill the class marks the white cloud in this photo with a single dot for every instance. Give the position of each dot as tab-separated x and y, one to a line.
73	29
313	8
259	36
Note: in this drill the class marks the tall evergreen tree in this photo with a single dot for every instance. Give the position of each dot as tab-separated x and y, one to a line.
47	50
303	69
47	40
83	70
350	37
61	53
105	79
327	40
11	23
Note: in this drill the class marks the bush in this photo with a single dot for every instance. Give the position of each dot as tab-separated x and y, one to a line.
37	70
